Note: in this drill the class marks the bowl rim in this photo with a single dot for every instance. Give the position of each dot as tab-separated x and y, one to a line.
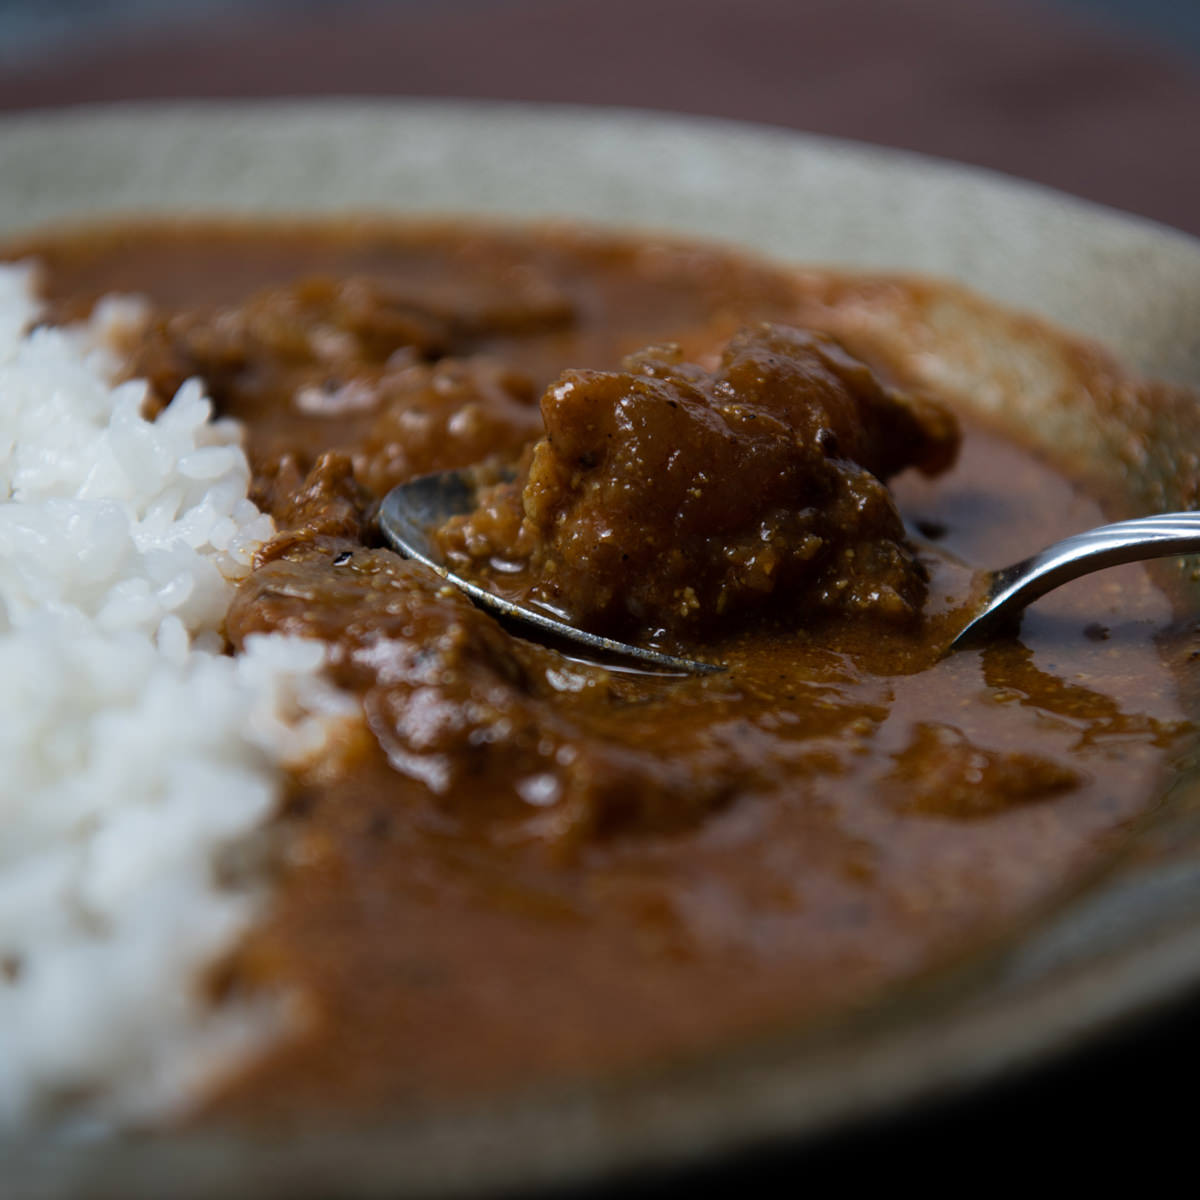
259	168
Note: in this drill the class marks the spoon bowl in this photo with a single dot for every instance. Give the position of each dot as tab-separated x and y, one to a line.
412	509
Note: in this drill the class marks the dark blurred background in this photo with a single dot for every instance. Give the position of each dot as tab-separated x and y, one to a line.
1098	97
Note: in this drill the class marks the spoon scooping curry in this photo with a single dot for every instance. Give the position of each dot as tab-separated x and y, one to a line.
411	510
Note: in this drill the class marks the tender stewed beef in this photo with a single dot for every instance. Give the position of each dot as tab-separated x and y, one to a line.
668	497
385	372
330	325
503	736
940	773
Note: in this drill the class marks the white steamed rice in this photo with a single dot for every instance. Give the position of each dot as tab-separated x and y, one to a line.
133	752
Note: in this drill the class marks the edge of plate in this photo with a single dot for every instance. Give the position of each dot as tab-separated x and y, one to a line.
1123	280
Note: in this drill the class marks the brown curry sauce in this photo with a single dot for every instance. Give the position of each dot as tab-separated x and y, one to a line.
523	868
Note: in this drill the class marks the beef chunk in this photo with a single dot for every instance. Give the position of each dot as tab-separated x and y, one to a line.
667	499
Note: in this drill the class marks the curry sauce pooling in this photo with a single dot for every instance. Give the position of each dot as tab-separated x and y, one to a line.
522	868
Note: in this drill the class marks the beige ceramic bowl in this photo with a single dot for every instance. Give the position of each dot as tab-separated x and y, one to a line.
1108	955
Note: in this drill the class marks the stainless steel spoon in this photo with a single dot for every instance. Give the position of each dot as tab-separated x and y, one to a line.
412	509
1010	589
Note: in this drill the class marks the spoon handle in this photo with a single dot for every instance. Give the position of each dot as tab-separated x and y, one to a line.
1012	588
